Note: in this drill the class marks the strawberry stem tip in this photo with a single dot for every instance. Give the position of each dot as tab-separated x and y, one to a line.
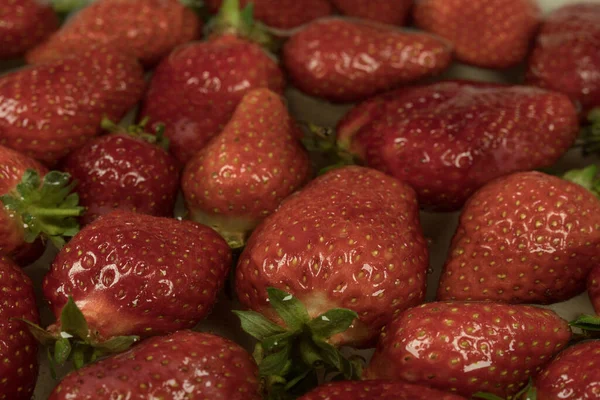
47	207
139	131
291	359
590	134
232	20
586	177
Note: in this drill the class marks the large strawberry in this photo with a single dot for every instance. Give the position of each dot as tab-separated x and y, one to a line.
183	365
448	139
525	238
23	24
345	60
18	349
388	12
145	29
566	56
486	33
48	110
220	183
128	170
196	89
468	348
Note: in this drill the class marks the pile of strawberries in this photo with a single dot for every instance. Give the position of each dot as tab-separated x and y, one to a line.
314	232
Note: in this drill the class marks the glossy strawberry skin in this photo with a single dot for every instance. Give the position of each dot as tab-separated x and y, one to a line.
182	365
469	347
450	138
158	274
119	171
345	61
593	288
195	90
524	238
18	348
388	12
350	239
566	57
49	110
145	29
485	33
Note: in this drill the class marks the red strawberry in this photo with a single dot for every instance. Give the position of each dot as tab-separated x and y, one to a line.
486	33
566	56
524	238
388	12
18	349
145	29
469	347
23	24
593	288
184	365
48	110
127	170
344	61
260	142
448	139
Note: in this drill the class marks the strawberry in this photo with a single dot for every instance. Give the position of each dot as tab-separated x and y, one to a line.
35	203
24	24
183	365
219	183
196	89
468	348
388	12
485	33
48	110
448	139
593	288
525	238
18	349
345	61
145	29
566	57
128	170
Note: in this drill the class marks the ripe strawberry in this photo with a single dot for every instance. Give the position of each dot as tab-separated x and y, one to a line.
183	365
48	110
219	183
388	12
344	61
525	238
18	351
566	56
469	347
23	24
128	170
145	29
450	138
486	33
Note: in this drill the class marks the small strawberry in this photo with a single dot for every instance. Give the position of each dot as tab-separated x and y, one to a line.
485	33
128	170
18	349
183	365
448	139
388	12
48	110
145	29
345	61
468	348
260	142
24	24
196	89
566	56
525	238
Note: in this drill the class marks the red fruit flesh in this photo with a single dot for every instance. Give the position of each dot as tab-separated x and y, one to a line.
344	61
486	33
350	239
525	238
183	365
469	347
18	348
195	90
388	12
157	274
450	138
593	288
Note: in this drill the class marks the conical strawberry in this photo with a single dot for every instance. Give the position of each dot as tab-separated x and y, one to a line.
385	11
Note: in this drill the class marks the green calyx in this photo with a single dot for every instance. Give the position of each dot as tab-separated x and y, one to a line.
529	392
64	7
290	359
234	20
590	134
587	323
47	207
586	177
139	131
75	341
322	141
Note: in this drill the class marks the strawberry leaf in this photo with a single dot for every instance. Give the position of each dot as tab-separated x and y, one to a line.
276	364
73	322
586	177
586	323
332	322
333	357
40	334
486	396
257	326
117	344
62	350
529	392
289	308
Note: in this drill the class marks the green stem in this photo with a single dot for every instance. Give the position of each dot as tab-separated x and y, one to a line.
230	13
55	212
